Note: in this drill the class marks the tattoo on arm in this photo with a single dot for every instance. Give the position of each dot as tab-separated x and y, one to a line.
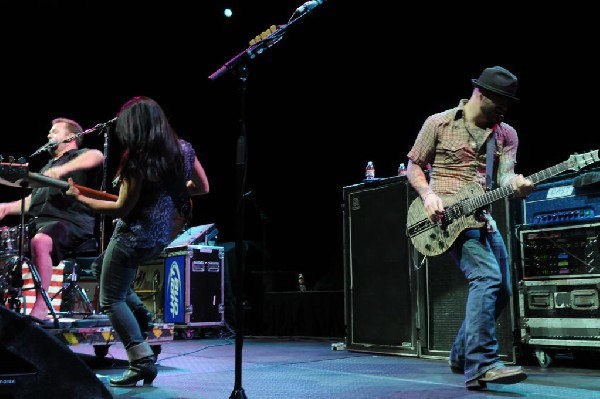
506	172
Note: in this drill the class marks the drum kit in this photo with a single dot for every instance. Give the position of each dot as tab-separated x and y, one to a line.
10	239
14	245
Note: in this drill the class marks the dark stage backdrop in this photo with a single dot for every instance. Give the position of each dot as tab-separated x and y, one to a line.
349	83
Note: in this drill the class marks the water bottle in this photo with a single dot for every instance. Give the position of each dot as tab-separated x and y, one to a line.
402	169
301	283
370	171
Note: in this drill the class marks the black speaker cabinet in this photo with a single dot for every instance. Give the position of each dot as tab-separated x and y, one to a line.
380	305
34	363
445	293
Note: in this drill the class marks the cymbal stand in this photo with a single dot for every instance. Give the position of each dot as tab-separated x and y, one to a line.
37	281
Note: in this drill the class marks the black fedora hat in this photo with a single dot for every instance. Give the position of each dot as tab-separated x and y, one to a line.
498	80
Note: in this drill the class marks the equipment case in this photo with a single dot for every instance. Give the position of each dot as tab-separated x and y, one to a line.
562	312
185	286
560	252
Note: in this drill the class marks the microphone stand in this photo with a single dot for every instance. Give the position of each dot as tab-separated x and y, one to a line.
102	128
240	253
237	65
103	188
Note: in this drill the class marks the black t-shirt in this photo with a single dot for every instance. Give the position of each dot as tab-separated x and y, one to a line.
52	202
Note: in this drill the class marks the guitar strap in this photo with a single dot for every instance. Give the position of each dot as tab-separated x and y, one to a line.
489	174
489	166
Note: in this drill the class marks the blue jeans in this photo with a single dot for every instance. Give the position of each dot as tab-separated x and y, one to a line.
483	259
115	270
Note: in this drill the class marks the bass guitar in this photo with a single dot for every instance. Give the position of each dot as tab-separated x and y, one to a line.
18	175
461	210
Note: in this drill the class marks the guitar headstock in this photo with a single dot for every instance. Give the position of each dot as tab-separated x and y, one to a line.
264	35
578	161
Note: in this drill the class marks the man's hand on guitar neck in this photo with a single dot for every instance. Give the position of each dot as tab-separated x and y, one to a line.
521	186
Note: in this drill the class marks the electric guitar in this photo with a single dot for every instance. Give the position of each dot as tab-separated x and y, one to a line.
461	210
18	175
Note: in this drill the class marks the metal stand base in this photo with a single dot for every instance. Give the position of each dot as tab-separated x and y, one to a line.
238	394
71	291
37	282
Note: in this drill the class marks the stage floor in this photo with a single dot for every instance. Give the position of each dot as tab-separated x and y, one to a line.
297	368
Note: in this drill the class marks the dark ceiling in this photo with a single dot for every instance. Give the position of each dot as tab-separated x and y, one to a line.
348	83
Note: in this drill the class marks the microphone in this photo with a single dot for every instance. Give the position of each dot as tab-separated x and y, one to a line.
309	5
100	126
50	144
105	124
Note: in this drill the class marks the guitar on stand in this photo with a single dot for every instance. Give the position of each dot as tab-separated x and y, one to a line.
17	174
463	208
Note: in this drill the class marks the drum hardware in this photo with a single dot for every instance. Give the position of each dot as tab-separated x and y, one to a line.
11	281
9	240
72	291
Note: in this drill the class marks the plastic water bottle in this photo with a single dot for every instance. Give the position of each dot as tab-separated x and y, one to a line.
301	283
370	171
402	169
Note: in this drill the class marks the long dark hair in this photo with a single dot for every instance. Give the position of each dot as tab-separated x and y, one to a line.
150	145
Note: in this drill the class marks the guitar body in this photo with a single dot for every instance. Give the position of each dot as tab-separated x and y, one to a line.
432	239
462	209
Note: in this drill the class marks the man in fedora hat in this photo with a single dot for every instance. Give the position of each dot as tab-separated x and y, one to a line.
454	144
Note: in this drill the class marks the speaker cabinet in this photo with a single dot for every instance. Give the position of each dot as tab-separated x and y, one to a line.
380	305
34	363
445	295
396	302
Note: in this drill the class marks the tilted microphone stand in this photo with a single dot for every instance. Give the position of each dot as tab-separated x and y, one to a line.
238	66
103	186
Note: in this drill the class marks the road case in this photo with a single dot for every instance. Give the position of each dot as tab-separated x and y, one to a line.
185	286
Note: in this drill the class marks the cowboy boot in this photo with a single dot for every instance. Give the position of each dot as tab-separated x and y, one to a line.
141	367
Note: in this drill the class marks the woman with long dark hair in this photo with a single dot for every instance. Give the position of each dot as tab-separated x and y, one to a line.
157	173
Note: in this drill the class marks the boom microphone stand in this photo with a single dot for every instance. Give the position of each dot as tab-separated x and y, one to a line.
103	184
238	66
